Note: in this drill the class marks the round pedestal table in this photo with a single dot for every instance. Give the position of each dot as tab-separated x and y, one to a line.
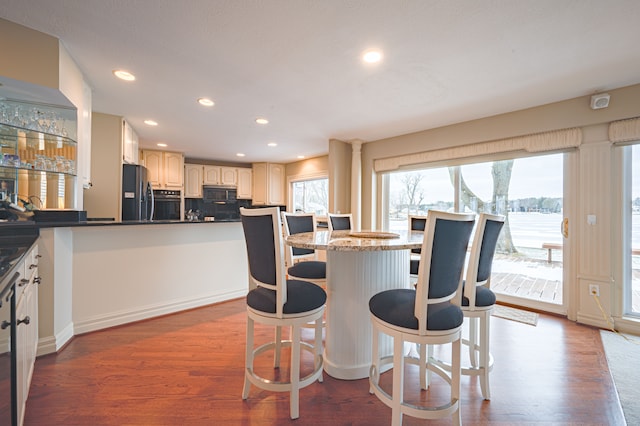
359	265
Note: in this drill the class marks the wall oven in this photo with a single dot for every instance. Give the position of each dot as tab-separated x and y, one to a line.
166	204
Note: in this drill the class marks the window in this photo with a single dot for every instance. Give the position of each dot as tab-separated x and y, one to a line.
634	273
528	268
311	196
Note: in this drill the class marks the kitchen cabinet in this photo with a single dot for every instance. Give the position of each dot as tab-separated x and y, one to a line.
245	183
269	184
220	175
27	326
165	170
129	144
193	178
212	175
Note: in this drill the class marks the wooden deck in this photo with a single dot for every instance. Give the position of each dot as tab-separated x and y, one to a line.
539	279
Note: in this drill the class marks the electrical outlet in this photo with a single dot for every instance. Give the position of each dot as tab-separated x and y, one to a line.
594	289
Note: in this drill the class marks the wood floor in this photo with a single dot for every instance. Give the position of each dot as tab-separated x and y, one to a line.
187	369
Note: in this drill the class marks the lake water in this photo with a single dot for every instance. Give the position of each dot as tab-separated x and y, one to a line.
531	230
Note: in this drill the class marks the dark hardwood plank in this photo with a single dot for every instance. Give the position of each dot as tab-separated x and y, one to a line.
187	369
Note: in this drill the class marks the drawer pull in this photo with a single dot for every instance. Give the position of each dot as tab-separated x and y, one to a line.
38	256
22	282
26	320
5	324
33	266
37	280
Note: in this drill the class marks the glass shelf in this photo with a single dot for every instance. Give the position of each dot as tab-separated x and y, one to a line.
38	154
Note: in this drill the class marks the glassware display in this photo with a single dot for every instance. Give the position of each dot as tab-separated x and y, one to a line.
38	154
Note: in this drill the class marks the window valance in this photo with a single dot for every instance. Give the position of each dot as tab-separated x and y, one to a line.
548	141
625	132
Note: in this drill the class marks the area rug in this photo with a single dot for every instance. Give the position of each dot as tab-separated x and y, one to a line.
623	357
514	314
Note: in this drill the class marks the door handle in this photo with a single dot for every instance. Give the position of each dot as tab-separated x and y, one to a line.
564	227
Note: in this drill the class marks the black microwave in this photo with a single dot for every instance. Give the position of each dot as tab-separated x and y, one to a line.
219	193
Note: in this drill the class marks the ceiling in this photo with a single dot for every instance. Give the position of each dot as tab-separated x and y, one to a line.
298	63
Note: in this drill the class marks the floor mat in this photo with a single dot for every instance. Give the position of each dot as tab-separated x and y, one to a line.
623	355
514	314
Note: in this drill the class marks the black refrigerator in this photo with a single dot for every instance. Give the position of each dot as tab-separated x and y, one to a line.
137	193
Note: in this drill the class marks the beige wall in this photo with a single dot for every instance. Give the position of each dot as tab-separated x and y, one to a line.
36	67
592	253
102	199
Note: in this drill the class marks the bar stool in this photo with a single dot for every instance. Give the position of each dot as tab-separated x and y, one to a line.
429	315
340	221
478	301
303	264
274	300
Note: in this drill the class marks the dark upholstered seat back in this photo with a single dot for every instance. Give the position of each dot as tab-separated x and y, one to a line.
261	248
340	222
297	224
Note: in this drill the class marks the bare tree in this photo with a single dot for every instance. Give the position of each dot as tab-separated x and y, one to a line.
501	174
412	189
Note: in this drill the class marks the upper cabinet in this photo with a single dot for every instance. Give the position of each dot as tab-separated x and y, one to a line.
193	175
220	175
165	170
197	175
129	144
245	184
269	184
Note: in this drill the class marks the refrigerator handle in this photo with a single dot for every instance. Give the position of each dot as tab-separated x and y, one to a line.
153	204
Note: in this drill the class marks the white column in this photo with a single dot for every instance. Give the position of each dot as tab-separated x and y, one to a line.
356	183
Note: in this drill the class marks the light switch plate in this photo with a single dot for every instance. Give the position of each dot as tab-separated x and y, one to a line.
591	219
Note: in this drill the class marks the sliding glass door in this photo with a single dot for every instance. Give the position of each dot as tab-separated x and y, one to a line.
528	267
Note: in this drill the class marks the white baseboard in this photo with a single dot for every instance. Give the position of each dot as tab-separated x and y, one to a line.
125	317
51	344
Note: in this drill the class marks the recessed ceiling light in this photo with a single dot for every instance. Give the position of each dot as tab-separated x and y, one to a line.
150	123
272	144
163	145
206	102
262	120
372	56
240	154
300	157
124	75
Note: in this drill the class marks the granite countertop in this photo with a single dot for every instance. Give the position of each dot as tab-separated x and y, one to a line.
356	241
106	222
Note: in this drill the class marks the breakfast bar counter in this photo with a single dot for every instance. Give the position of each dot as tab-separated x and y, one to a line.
359	265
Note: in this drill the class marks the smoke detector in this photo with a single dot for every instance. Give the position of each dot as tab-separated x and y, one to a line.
600	101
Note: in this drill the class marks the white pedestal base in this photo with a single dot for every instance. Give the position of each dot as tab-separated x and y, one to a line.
353	277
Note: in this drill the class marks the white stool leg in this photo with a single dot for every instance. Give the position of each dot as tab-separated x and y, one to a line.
473	341
278	347
455	379
422	349
398	381
317	346
484	356
375	360
295	373
248	360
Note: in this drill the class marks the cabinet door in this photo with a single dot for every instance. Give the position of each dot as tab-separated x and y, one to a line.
173	170
212	175
276	184
244	183
193	181
259	184
153	161
228	175
129	151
